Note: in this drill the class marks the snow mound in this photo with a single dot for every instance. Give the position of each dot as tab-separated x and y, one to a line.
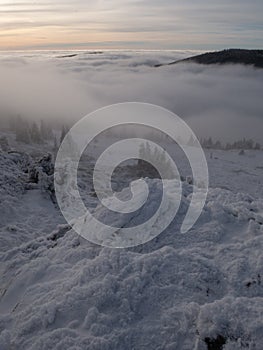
136	221
12	185
179	291
11	176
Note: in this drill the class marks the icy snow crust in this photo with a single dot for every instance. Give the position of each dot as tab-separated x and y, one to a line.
179	291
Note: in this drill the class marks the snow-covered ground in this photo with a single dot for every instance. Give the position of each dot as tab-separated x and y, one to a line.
200	290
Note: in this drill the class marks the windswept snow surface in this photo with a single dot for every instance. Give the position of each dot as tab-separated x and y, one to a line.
179	291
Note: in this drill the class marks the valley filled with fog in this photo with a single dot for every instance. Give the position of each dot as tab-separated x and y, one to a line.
223	102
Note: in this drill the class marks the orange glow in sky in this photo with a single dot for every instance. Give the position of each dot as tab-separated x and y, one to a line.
161	24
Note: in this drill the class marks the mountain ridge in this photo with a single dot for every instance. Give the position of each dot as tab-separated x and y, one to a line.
223	57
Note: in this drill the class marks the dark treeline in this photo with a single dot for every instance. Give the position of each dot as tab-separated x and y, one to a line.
31	131
239	144
28	131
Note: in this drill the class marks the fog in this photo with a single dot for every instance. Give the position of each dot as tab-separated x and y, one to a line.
224	102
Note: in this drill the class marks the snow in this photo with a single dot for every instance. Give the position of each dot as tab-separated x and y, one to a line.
179	291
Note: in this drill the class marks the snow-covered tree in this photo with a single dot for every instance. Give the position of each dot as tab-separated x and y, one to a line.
22	130
63	133
4	145
35	133
45	130
55	144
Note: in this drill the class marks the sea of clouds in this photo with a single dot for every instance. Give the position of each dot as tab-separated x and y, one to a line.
222	101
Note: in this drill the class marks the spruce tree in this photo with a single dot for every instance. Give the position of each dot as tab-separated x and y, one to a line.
35	133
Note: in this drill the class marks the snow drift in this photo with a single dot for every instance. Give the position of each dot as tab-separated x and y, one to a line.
179	291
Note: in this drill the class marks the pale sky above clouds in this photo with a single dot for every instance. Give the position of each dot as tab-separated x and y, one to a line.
131	24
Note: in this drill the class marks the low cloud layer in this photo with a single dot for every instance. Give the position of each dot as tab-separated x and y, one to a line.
222	101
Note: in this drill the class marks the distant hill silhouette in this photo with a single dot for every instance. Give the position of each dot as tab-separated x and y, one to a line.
230	56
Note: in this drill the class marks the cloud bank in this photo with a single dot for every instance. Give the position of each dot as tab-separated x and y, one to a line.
222	101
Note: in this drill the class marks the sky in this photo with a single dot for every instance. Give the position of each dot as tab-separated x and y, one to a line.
130	24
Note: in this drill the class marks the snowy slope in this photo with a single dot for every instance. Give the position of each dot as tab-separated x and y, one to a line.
179	291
